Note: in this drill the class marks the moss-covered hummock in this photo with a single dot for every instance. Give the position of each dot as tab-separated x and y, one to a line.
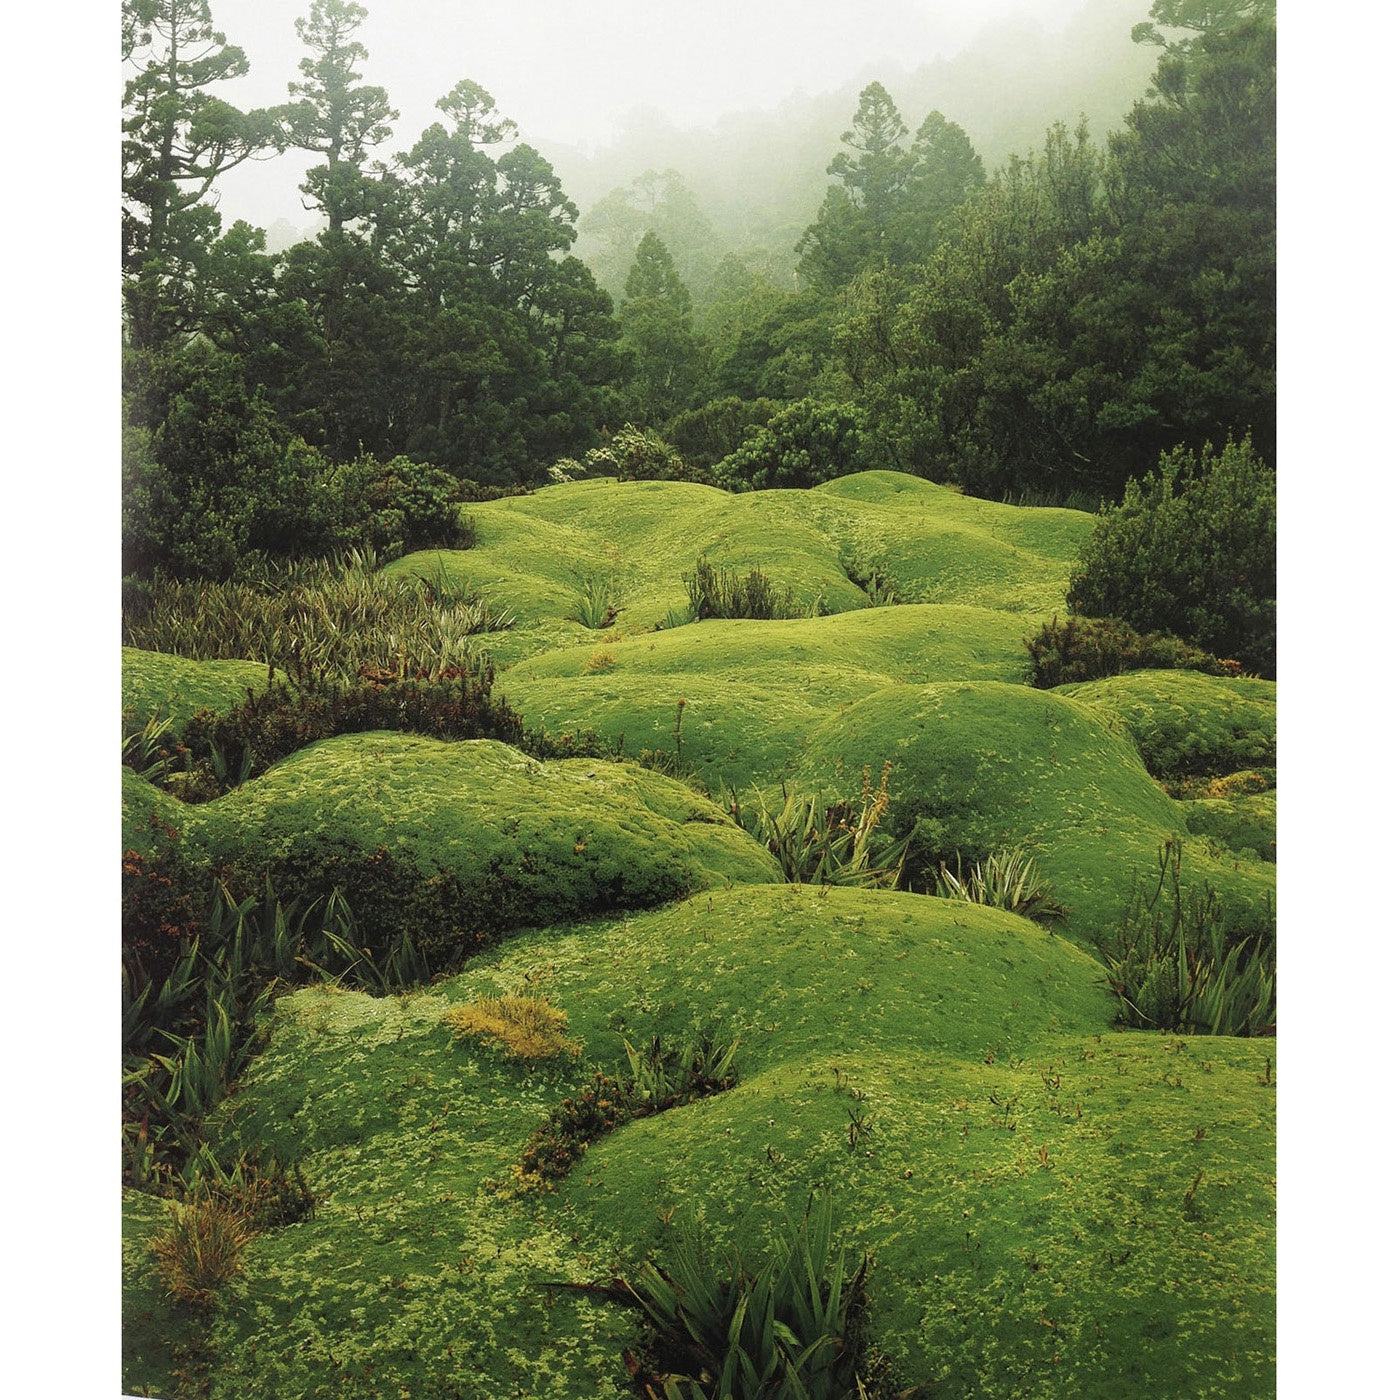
935	545
755	691
501	838
985	765
1185	724
1055	1207
157	686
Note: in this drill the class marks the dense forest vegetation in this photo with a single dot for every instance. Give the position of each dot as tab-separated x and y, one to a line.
1043	329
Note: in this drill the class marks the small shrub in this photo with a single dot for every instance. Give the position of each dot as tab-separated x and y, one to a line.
200	1248
723	593
1171	966
219	752
600	661
639	454
705	435
1005	879
660	1077
558	1143
817	842
803	445
1093	648
526	1027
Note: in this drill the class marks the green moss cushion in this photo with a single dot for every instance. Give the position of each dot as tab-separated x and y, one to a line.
155	685
474	836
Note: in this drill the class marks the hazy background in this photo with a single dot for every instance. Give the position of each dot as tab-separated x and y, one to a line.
607	88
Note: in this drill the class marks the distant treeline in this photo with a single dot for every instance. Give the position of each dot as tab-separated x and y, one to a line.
1045	329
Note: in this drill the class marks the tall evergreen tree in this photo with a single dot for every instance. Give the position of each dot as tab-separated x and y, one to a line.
177	139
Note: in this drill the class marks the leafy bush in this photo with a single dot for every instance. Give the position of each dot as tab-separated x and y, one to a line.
639	454
1191	551
705	435
526	1026
806	443
1171	966
1094	648
786	1329
200	1248
1005	879
817	842
210	478
723	593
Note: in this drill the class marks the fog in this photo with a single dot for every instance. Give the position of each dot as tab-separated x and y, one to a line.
576	75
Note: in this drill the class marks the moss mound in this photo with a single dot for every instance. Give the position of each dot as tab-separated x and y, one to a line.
936	546
155	685
453	842
754	691
1189	725
1055	1207
982	765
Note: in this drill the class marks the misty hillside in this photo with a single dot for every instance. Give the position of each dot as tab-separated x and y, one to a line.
758	178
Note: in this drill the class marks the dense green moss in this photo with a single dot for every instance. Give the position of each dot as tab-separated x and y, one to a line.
754	692
1026	1176
984	765
935	545
495	837
1189	725
155	685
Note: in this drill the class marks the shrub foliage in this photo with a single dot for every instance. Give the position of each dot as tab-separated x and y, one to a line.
1191	551
1094	648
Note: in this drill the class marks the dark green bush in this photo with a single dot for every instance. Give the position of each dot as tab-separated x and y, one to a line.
210	478
806	443
703	436
1191	551
1093	648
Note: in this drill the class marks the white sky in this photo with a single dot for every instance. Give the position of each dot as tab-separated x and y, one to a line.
570	70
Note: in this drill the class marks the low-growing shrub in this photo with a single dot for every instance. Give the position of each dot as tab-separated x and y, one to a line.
724	593
1172	967
527	1027
1005	879
704	435
562	1139
658	1077
1093	648
200	1249
821	842
640	454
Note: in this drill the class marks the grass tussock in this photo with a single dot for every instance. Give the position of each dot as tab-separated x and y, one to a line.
788	1328
316	617
725	593
1172	967
1005	879
200	1249
817	842
526	1027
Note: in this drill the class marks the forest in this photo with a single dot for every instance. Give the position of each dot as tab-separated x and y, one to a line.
699	781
